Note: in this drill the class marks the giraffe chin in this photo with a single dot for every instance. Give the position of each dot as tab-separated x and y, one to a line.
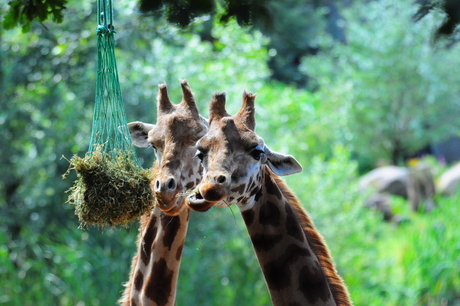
171	207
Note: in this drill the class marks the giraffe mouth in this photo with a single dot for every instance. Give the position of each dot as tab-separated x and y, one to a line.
196	198
175	208
205	196
198	203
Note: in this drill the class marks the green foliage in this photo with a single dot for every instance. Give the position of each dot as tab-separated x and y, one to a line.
418	260
181	13
296	121
47	107
208	67
415	263
217	270
49	79
24	12
63	266
397	89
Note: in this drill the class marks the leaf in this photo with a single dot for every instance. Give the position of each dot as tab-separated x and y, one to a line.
23	13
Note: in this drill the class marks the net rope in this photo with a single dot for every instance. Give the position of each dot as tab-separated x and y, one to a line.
110	128
112	188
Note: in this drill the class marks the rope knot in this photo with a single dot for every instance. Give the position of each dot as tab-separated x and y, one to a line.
105	29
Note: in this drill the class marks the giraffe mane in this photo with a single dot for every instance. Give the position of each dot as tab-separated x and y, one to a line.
338	288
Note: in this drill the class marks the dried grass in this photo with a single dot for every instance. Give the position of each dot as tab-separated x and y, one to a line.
109	190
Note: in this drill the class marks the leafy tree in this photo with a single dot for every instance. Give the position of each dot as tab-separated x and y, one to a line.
397	90
451	21
182	13
47	86
23	12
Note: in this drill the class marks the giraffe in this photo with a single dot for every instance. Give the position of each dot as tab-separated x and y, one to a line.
155	267
240	169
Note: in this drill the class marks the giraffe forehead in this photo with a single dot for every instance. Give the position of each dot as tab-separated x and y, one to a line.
180	129
231	133
183	123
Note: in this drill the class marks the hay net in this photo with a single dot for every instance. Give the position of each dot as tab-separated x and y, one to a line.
110	127
112	188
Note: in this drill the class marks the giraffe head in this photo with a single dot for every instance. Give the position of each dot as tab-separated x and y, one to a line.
173	137
233	156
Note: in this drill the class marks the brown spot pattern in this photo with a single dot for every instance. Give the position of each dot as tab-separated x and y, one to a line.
269	214
241	188
259	194
179	251
250	184
313	284
293	227
272	188
254	191
170	227
277	275
148	239
248	217
278	272
234	189
265	242
138	280
158	286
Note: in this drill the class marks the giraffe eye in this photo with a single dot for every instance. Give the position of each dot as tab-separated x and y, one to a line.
199	155
257	153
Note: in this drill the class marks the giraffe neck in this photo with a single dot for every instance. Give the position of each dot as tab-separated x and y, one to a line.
294	259
155	267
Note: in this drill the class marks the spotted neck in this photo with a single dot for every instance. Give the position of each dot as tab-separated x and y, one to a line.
155	267
295	261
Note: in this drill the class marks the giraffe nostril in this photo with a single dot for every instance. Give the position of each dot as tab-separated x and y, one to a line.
221	179
157	185
171	184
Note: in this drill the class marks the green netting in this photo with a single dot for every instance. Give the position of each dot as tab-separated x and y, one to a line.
111	187
109	122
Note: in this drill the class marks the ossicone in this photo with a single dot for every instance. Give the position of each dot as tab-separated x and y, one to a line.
164	104
187	95
247	113
217	106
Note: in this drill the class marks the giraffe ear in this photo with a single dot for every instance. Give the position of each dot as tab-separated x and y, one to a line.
139	133
282	164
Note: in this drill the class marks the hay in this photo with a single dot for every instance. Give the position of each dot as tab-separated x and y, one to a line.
109	190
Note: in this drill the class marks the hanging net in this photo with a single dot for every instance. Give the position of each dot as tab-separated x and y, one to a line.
111	187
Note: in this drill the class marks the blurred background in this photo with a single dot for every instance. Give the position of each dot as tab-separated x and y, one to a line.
344	86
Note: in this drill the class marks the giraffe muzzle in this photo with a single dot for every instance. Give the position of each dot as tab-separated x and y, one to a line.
166	192
205	196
